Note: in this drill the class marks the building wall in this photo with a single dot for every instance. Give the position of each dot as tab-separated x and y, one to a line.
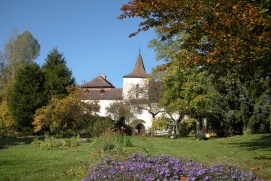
138	115
103	104
130	84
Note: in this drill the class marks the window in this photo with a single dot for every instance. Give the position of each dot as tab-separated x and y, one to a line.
139	111
137	89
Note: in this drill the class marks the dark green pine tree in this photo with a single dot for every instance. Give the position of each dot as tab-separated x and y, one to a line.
26	95
57	75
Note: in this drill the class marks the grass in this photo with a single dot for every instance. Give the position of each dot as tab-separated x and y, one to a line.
20	160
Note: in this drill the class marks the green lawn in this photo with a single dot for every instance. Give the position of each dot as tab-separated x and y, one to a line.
20	160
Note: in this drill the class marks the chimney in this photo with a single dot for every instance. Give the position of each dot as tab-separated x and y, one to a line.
103	76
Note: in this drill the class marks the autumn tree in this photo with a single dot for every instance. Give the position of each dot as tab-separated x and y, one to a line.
7	125
57	75
26	95
222	34
227	40
185	91
18	50
66	115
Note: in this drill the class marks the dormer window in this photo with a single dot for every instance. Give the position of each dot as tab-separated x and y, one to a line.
102	91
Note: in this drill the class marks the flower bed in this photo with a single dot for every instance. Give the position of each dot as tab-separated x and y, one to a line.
142	167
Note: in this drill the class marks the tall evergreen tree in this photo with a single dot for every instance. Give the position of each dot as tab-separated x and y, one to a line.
57	75
26	95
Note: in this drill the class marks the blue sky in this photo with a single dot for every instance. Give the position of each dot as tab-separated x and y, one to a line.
87	32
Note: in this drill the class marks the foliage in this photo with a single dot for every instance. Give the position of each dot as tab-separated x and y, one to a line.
52	143
187	90
7	125
26	95
57	75
164	167
21	47
222	34
120	112
258	122
99	125
120	125
226	42
242	106
117	110
62	115
112	141
146	96
18	50
161	123
187	125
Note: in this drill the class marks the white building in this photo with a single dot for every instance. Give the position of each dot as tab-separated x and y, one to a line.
105	93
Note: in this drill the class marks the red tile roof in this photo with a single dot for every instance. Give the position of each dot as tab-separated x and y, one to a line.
139	69
98	82
104	94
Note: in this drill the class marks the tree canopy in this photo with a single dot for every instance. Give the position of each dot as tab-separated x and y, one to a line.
217	56
18	50
57	75
222	33
63	115
26	95
21	47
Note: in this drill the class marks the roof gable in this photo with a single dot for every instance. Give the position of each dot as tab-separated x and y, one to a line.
98	82
139	69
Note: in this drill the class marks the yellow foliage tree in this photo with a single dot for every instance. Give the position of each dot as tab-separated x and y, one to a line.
161	123
42	118
7	125
61	115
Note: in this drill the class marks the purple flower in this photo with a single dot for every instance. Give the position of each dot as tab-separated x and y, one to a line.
164	167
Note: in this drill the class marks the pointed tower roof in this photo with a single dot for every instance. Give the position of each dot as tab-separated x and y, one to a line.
98	82
139	69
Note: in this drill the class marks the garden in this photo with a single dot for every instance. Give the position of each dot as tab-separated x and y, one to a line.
114	155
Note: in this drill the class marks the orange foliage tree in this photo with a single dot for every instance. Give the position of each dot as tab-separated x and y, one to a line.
222	33
64	115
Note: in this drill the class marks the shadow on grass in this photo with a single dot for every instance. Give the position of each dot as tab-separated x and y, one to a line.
260	142
12	141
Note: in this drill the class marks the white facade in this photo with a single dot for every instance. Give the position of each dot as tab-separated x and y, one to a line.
142	120
132	84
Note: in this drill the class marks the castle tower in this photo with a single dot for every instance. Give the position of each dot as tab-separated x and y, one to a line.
136	79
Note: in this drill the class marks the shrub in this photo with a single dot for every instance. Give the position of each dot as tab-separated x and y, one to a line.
187	125
120	125
99	126
161	123
52	142
112	141
142	167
